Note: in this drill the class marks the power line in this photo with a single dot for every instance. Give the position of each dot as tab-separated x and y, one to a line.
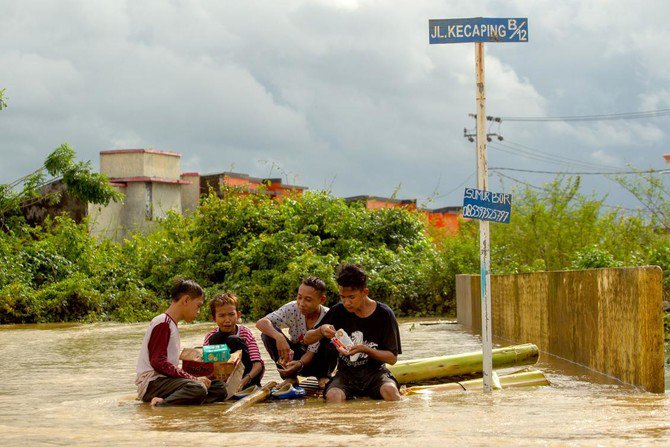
560	157
522	182
461	184
545	157
615	207
651	171
601	117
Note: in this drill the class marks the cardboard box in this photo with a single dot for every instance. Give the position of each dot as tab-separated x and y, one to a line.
193	363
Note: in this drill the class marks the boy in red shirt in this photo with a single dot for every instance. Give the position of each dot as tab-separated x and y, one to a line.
159	378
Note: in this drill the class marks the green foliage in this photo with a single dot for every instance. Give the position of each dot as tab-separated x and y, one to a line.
80	181
261	249
551	228
3	102
256	247
653	192
18	304
659	255
592	258
71	299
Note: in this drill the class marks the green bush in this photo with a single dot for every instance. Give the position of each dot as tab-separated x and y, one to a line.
18	304
72	299
133	304
660	255
260	249
593	257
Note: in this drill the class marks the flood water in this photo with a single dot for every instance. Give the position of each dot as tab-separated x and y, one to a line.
73	385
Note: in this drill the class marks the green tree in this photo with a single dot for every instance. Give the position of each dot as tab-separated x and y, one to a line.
81	183
3	102
653	193
550	226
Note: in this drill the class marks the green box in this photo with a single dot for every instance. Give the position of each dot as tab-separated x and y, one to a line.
215	353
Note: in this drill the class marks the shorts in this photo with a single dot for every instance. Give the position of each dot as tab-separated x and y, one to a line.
362	386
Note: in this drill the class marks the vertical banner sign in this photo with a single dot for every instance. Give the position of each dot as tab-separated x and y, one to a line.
479	30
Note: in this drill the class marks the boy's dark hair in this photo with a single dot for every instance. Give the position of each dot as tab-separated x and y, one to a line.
221	300
315	283
351	275
181	286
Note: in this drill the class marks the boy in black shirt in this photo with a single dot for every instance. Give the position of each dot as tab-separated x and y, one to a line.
373	329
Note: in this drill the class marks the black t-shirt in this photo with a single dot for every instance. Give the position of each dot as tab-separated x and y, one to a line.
378	330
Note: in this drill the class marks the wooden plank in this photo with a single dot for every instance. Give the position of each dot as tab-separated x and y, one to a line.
257	396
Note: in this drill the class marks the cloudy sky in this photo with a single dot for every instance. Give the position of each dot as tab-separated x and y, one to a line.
344	95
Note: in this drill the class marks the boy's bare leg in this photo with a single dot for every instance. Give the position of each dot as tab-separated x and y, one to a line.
175	391
323	381
389	392
335	395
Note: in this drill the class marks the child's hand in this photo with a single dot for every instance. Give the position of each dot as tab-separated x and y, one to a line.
365	349
342	350
291	368
327	330
284	350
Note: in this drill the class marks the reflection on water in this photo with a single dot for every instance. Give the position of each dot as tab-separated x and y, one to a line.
73	385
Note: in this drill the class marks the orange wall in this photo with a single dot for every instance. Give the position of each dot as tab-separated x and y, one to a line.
279	191
373	204
241	182
444	220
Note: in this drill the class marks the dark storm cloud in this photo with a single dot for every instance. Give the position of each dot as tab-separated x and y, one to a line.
345	95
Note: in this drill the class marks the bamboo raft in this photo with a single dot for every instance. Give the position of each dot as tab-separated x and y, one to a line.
519	379
450	368
431	368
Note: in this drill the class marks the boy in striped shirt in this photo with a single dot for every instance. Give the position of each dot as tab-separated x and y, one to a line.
225	313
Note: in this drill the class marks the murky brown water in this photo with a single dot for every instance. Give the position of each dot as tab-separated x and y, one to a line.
73	385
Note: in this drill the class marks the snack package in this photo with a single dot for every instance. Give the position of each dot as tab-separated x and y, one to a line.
215	353
342	341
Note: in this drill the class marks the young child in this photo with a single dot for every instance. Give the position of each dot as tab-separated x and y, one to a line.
225	313
159	379
373	329
291	356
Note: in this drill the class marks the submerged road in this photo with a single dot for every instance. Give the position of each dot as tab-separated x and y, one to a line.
73	385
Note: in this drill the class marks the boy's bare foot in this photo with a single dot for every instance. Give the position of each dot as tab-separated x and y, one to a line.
157	401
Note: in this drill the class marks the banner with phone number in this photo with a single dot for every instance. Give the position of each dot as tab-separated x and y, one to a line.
487	205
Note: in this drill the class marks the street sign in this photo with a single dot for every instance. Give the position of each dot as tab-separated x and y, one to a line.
478	29
487	205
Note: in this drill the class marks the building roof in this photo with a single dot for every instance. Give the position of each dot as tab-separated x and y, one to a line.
447	209
147	151
381	199
258	180
148	179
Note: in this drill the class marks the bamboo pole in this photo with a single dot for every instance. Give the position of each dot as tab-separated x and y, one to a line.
257	396
516	380
410	371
